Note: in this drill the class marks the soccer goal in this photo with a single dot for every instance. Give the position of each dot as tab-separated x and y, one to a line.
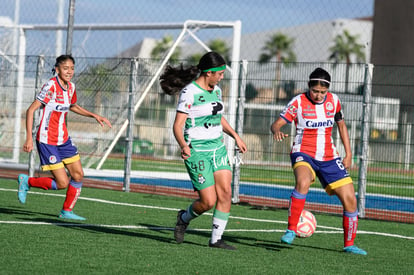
96	153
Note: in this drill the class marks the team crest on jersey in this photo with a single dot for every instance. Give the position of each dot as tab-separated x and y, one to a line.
292	109
329	106
52	159
298	159
218	94
188	106
201	179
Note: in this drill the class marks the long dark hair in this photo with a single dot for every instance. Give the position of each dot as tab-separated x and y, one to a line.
62	58
173	80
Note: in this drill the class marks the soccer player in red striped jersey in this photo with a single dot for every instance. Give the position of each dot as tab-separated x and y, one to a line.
56	150
314	154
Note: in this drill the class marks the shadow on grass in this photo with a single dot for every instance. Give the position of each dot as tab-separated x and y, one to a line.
21	211
157	232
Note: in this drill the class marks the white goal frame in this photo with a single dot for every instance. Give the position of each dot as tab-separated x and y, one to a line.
189	27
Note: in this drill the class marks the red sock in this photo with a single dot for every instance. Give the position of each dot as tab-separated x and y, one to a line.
296	206
44	183
350	225
72	195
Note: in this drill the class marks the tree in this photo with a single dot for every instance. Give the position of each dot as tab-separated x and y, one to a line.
162	47
345	47
278	46
216	45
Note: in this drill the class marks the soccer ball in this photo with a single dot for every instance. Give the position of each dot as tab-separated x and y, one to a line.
306	224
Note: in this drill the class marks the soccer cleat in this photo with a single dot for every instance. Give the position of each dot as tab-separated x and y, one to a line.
288	237
70	216
180	228
23	187
221	244
355	250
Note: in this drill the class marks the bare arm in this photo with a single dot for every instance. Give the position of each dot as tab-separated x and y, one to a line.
28	144
275	128
178	126
343	132
83	112
230	131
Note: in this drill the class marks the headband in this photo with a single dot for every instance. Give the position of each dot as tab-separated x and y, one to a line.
319	79
216	69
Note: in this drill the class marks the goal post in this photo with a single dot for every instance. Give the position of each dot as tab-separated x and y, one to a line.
187	28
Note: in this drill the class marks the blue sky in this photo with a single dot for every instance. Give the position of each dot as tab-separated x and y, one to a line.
256	16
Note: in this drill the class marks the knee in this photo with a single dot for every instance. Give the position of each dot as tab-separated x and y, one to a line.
77	176
62	183
208	203
350	204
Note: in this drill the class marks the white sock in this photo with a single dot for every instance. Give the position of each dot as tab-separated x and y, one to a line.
219	225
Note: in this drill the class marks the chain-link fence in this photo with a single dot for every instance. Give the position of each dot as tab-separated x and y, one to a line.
265	176
119	50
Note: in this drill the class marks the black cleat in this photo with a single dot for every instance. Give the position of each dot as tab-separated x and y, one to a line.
221	244
180	228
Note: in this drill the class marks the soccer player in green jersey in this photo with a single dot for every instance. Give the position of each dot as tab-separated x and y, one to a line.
198	128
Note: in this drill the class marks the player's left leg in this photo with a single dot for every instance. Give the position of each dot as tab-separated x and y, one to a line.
73	191
221	213
346	195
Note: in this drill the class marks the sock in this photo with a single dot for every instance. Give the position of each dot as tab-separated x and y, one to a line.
350	225
189	214
72	194
44	183
296	205
219	224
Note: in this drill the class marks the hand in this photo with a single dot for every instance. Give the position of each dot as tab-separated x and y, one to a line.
241	145
103	120
28	146
347	161
279	136
185	152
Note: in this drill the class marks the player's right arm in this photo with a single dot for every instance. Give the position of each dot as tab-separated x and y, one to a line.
178	126
275	128
28	145
288	115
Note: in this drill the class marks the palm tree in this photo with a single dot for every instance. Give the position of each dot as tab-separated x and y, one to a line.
162	47
278	46
216	45
345	46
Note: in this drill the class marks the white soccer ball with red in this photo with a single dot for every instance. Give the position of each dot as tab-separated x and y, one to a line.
306	224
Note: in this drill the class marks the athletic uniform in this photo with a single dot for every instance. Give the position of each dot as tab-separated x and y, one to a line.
53	142
314	147
203	132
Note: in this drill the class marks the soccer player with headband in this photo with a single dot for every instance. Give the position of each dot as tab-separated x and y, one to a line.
198	128
314	154
56	149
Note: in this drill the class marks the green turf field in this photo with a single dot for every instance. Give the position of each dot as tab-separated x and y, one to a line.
131	233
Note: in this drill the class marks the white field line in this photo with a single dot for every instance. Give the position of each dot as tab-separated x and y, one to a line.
336	230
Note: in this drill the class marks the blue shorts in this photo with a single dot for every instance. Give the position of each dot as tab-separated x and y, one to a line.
332	173
54	157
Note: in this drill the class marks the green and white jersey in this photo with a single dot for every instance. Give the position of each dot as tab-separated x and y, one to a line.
203	129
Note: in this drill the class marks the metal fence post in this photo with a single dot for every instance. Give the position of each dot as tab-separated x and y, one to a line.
239	129
38	83
130	129
365	129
